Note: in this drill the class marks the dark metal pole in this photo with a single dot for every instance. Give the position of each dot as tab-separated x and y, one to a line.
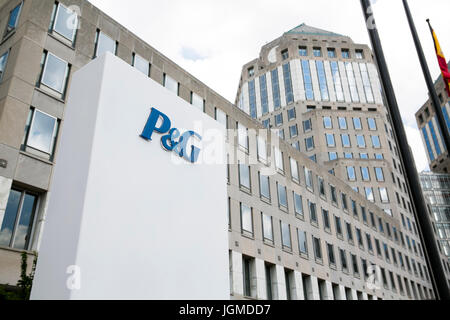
435	267
428	80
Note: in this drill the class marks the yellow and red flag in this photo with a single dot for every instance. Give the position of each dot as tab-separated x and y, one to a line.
441	59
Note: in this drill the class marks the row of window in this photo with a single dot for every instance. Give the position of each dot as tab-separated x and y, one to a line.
267	224
282	197
271	277
322	68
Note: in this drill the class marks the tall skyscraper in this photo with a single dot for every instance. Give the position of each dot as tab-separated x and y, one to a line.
324	214
437	155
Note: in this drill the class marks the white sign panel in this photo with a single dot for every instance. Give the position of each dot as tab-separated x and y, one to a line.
137	210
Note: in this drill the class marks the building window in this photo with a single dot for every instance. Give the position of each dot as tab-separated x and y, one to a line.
293	131
365	173
307	79
355	264
384	195
243	136
359	54
330	251
428	144
337	81
13	19
64	22
312	211
144	66
55	72
345	140
326	219
337	222
366	83
285	235
244	177
252	98
343	256
17	221
349	232
317	52
309	179
291	114
380	175
264	188
307	125
288	83
345	53
322	81
170	83
41	132
303	51
298	204
357	124
330	140
309	143
352	82
3	61
222	117
262	150
251	71
331	53
248	274
266	123
333	194
282	196
302	242
332	156
361	141
279	119
327	123
279	160
376	142
264	95
369	194
197	101
275	89
369	243
317	248
104	43
351	174
267	222
246	220
294	170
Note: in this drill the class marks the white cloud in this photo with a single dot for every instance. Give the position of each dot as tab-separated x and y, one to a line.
228	34
415	142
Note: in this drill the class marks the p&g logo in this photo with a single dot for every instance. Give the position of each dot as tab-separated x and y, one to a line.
173	140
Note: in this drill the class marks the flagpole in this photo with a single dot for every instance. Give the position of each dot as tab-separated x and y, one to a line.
429	80
421	213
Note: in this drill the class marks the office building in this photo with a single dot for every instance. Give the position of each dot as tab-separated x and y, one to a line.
310	210
427	122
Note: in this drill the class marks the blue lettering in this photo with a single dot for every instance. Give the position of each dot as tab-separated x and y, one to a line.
169	141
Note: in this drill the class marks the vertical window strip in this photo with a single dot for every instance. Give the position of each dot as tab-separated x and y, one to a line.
252	98
337	81
322	81
288	83
307	79
276	89
352	82
366	82
435	139
264	97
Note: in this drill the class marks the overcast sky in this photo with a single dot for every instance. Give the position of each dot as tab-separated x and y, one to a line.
213	39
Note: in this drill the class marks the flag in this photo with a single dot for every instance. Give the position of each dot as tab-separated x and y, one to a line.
441	60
